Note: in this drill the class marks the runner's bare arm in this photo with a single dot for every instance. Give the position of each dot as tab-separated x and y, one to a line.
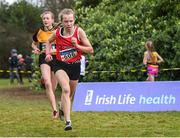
145	58
35	48
86	46
160	59
48	47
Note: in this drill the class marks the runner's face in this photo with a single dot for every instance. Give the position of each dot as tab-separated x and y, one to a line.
68	21
47	20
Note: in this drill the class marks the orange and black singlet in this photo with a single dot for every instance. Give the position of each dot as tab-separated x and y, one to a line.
41	37
152	59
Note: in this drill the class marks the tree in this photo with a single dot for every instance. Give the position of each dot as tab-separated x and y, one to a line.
57	5
17	23
24	15
118	31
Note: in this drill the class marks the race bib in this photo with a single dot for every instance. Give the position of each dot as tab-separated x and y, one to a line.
53	49
53	46
42	46
68	54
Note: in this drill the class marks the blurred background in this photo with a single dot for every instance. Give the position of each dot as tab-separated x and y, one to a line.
117	30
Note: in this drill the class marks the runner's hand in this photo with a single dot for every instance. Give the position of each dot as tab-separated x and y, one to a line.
48	57
74	41
36	51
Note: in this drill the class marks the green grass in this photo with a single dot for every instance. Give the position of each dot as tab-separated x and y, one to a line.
5	83
30	116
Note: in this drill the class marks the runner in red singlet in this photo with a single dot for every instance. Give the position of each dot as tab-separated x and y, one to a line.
71	41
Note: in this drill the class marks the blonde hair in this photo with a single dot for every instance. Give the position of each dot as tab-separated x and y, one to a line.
65	11
150	49
47	12
149	45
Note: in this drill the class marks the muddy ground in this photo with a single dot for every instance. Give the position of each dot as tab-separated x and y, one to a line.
23	92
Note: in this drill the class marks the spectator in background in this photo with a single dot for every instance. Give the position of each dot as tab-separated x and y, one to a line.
20	67
28	67
152	60
13	63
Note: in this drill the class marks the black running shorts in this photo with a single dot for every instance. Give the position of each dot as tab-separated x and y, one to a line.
72	69
42	60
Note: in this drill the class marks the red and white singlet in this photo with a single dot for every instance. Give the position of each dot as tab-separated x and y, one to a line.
66	52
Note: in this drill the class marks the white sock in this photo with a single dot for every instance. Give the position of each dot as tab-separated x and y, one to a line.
68	121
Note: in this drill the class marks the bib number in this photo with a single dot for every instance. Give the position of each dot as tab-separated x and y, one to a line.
53	46
68	54
42	46
53	49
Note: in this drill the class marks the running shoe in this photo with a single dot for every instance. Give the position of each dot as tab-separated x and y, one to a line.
68	126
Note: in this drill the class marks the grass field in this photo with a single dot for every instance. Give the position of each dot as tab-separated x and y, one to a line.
24	113
5	83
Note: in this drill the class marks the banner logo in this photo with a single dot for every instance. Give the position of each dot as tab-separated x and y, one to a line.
89	97
127	96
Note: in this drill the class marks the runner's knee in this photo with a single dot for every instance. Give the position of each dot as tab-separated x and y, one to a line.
66	90
47	83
